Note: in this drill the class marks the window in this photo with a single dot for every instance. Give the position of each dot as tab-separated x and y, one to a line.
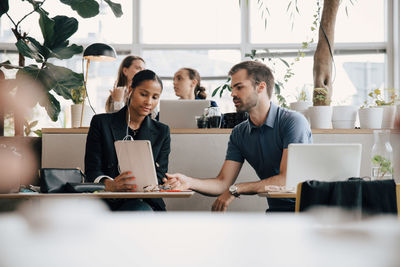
212	36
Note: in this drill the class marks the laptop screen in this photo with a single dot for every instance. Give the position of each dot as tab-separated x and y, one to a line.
182	113
323	162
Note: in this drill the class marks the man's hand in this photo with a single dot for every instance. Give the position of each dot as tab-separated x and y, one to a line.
121	183
223	201
177	181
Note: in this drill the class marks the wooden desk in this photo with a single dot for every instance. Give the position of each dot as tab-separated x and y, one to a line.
277	195
100	195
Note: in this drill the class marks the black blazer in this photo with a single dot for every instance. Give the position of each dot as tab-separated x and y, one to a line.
105	129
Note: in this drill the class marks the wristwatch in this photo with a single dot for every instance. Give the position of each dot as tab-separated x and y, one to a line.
233	190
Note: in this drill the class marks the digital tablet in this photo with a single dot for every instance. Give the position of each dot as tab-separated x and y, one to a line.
136	156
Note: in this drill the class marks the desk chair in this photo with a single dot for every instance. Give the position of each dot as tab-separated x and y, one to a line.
370	197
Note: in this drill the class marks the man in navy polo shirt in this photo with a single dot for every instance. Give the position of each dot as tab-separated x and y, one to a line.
262	140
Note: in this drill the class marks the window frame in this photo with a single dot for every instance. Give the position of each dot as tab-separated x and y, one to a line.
391	46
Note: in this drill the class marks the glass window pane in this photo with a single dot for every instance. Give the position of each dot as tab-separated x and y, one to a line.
190	21
207	62
355	76
100	28
364	23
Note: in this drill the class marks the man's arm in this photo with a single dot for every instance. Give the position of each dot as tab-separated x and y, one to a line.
208	186
251	188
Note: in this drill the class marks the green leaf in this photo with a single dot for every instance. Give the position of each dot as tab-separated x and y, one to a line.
222	91
39	75
7	65
284	62
85	8
277	89
38	133
64	80
3	7
33	124
116	8
66	52
29	51
290	3
47	28
64	28
215	91
51	105
42	50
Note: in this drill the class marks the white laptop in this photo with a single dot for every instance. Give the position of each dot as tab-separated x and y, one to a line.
182	113
323	162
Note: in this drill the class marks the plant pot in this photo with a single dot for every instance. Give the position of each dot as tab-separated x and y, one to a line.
344	117
301	106
76	115
320	117
389	113
370	118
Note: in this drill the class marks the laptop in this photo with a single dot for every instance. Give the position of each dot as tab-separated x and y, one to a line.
181	113
323	162
136	156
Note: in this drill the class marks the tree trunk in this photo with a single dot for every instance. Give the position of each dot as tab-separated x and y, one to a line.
322	70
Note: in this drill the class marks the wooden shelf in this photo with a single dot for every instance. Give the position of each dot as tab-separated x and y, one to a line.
84	130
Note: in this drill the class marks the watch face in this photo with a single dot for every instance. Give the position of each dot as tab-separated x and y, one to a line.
233	189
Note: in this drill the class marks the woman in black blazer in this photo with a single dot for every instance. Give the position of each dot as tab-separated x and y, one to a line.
101	164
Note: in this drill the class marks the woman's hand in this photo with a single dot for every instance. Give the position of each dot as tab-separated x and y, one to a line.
121	183
177	181
118	93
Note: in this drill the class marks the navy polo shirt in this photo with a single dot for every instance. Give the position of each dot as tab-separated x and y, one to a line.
262	146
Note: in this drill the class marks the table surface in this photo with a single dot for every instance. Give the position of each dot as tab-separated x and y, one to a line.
182	194
278	194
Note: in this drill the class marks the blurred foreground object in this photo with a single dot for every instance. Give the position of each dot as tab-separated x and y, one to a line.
80	232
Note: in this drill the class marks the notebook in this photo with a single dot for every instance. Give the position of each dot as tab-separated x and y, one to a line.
137	156
324	162
181	113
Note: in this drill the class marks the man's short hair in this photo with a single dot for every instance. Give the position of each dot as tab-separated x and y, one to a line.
257	72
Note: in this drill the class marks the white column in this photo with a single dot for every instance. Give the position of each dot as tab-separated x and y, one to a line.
245	28
136	29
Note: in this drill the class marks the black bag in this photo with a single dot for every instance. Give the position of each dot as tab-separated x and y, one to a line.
83	187
53	180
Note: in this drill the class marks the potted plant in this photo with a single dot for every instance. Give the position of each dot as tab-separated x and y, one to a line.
321	113
389	109
344	116
302	104
370	113
76	108
54	43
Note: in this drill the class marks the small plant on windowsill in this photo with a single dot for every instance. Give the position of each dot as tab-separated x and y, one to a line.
320	97
302	96
77	94
379	99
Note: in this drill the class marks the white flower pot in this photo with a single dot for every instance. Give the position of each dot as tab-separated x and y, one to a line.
301	106
320	117
344	117
370	118
76	116
389	113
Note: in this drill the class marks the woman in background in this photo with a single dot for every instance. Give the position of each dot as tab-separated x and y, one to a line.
101	163
129	66
187	85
